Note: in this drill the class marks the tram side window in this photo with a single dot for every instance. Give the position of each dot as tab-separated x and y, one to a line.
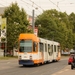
51	48
41	46
54	48
34	46
45	47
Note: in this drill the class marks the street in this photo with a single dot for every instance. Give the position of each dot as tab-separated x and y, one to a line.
65	71
11	67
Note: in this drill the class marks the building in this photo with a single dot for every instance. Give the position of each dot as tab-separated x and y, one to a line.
2	9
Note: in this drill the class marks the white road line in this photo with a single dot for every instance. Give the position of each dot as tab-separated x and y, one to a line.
60	72
66	69
8	62
53	74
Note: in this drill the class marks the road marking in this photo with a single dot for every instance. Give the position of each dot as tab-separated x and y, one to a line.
66	69
53	74
8	62
60	72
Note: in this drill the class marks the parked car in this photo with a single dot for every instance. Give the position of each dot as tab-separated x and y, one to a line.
70	60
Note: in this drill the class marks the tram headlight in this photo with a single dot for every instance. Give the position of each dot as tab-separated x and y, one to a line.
30	57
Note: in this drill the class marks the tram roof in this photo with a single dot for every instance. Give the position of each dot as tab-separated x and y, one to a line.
28	36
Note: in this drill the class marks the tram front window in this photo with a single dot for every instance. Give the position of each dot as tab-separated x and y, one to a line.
25	46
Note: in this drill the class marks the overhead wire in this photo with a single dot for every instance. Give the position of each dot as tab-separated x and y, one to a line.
55	4
26	4
34	4
30	4
2	4
37	5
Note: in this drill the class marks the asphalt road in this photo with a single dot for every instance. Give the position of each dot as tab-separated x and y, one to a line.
11	67
65	71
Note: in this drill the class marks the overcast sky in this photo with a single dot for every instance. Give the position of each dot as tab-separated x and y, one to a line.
67	6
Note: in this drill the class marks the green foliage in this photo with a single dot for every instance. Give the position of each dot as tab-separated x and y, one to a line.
16	23
3	39
72	24
56	26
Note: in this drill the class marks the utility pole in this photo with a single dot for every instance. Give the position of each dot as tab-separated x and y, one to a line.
33	25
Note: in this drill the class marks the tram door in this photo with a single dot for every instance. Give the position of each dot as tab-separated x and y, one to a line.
45	53
55	52
41	46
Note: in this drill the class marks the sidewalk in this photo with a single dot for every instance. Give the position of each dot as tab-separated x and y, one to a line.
8	60
66	71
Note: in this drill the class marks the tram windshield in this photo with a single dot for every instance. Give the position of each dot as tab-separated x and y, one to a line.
25	46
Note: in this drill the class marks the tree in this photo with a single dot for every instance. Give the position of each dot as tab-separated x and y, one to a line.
16	23
72	23
55	26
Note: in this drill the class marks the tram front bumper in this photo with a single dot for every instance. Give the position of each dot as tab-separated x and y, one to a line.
26	62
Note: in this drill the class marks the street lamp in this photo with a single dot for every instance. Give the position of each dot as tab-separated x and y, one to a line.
33	24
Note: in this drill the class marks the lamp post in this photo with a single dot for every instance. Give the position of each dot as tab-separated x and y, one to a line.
35	30
33	25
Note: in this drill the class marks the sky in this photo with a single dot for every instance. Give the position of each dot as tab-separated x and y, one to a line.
39	6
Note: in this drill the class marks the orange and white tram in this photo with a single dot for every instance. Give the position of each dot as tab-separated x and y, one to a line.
35	50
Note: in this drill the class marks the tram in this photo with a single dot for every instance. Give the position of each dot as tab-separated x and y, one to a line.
35	50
